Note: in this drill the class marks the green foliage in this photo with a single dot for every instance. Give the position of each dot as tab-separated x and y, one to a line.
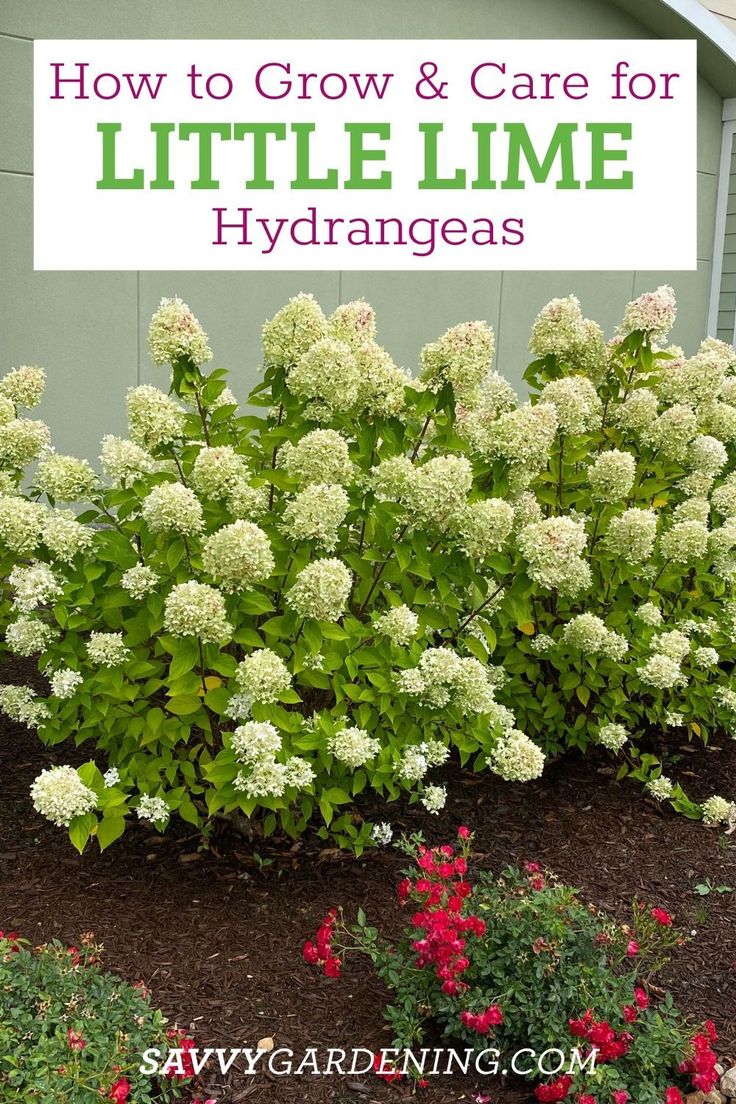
536	968
70	1031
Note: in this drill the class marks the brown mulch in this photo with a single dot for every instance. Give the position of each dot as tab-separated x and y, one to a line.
217	935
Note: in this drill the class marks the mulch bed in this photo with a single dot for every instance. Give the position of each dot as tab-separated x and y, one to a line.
217	935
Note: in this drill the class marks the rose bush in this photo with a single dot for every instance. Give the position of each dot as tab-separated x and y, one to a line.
519	961
74	1034
269	614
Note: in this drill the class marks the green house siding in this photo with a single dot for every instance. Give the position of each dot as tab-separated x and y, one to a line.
89	330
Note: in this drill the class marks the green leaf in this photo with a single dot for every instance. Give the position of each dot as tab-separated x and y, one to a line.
109	829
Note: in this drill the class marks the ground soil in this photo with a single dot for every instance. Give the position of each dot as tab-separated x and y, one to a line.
217	935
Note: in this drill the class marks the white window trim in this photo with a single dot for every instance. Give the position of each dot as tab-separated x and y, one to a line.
719	242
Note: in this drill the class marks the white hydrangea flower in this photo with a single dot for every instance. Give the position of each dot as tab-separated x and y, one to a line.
64	536
172	506
154	418
107	649
462	357
612	736
298	772
673	719
653	312
239	707
321	590
60	795
263	676
24	386
382	834
267	778
382	387
354	323
586	632
685	542
660	671
724	497
327	372
527	510
438	489
726	697
672	432
649	614
321	456
542	644
557	327
65	478
292	331
660	788
217	471
716	811
692	509
399	624
175	334
122	459
353	746
316	513
393	478
23	440
476	424
28	636
631	535
195	609
238	555
413	765
34	584
139	581
611	476
516	758
552	548
65	682
153	809
707	455
524	437
254	741
19	703
576	401
673	643
434	799
706	657
638	411
485	526
695	484
247	502
111	777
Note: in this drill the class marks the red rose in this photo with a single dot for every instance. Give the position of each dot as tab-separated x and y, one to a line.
641	997
310	953
388	1075
673	1096
332	967
620	1097
662	917
120	1090
463	832
632	948
630	1013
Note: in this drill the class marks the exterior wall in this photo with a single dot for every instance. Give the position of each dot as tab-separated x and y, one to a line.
88	329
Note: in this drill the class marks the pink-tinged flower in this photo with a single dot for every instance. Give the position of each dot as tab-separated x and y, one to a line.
710	1030
120	1091
673	1095
662	917
620	1097
464	832
310	953
630	1012
586	1098
75	1040
532	868
641	997
632	948
332	967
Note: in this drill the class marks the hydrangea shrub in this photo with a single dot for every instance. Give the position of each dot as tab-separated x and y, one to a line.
491	964
275	612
